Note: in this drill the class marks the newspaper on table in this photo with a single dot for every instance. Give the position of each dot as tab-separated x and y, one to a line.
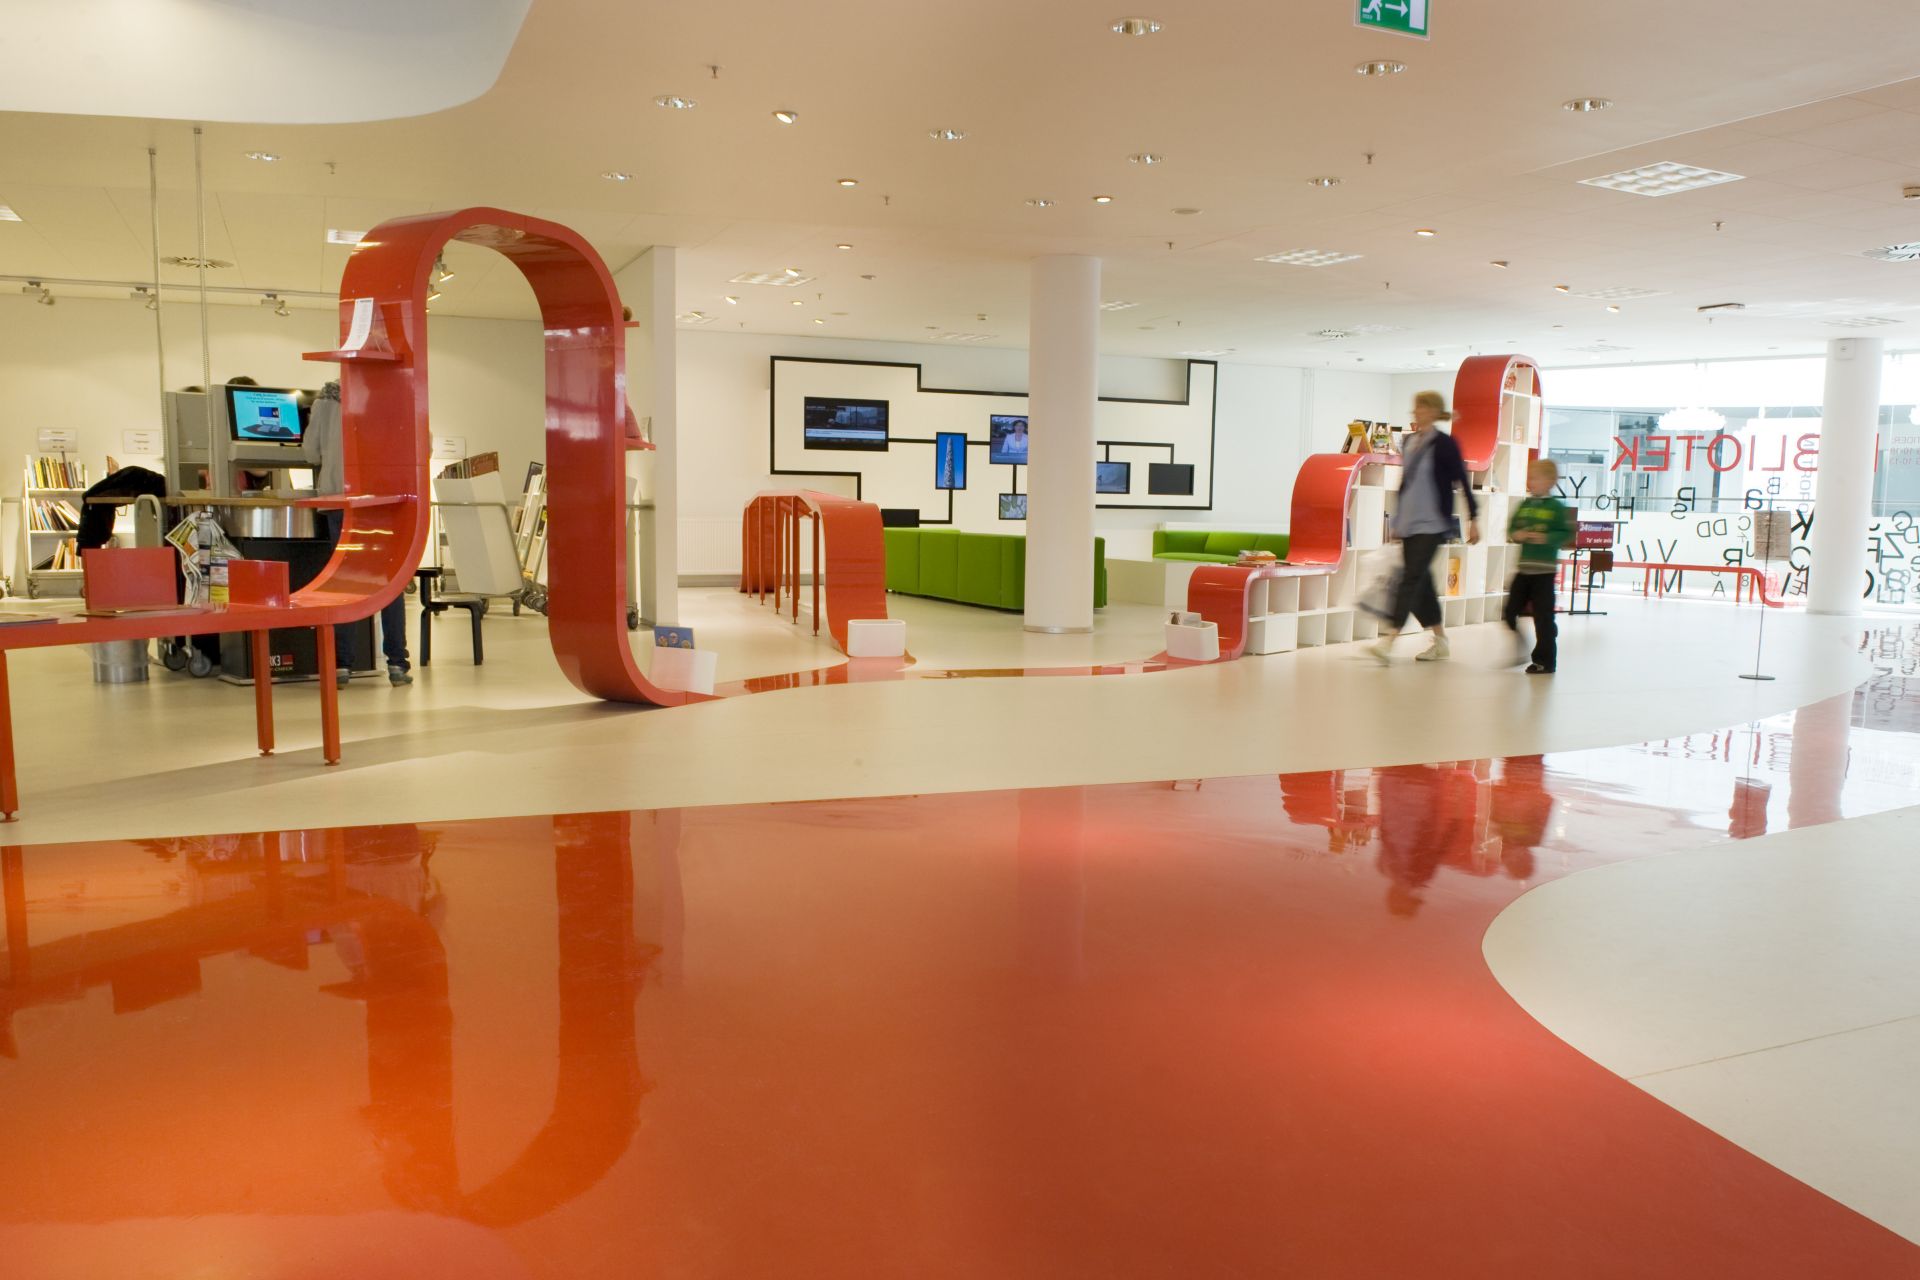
204	552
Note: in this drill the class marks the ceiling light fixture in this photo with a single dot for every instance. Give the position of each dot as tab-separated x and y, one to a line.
792	273
336	235
947	135
799	302
1613	308
1860	322
617	175
849	182
674	102
843	246
264	157
778	279
192	263
1323	182
1894	252
818	320
1712	307
733	300
8	215
1135	27
1309	257
1118	306
433	295
38	292
1382	68
1103	199
1146	157
965	337
1040	202
1618	294
1663	179
1499	262
1563	288
1425	233
1584	105
1186	213
785	116
145	294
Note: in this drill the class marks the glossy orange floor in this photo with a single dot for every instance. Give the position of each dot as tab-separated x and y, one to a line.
1239	1028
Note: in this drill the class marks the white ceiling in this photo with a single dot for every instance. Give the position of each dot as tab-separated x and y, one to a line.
1245	100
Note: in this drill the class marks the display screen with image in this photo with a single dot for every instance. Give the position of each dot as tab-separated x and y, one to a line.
1113	477
1007	439
949	460
1013	506
1170	479
265	415
833	423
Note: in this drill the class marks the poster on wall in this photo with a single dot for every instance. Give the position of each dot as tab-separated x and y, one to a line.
1113	477
1007	439
1013	506
949	460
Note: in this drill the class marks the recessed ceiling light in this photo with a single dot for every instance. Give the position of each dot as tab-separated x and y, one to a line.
792	273
264	157
1663	179
336	235
1563	288
1426	232
1135	27
1207	355
1894	252
696	317
1331	335
843	246
674	102
733	300
1103	199
1599	349
8	215
867	277
1613	308
1618	294
183	260
947	135
1040	202
1584	105
818	320
1308	257
1722	306
1382	68
1118	306
1186	213
779	279
849	182
1323	182
617	175
785	116
1499	262
1860	322
965	337
799	302
1145	157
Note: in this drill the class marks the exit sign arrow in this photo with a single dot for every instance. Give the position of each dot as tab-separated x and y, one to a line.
1402	17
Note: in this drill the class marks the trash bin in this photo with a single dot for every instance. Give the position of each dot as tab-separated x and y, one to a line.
119	661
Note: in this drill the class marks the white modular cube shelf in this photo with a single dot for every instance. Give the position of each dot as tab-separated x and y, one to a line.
1275	633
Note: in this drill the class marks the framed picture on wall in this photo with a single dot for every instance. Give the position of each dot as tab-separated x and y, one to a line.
1013	506
1007	439
1113	477
838	423
949	460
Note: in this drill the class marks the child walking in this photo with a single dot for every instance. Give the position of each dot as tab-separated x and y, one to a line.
1542	525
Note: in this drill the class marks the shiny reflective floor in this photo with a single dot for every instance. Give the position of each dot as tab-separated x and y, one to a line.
1239	1027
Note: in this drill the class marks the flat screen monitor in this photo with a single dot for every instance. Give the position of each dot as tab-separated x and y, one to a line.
949	460
1170	479
266	415
833	423
1113	477
1007	439
900	517
1013	506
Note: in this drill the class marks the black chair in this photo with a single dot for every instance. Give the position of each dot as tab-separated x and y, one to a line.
430	604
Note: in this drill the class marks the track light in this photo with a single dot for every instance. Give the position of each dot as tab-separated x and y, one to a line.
433	295
147	295
38	292
441	272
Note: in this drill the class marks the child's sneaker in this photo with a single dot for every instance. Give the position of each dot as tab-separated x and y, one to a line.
1438	651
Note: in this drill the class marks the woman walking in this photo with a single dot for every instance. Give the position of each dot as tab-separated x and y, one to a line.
1431	469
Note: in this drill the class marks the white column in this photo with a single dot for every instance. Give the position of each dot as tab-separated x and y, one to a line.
1063	386
1843	489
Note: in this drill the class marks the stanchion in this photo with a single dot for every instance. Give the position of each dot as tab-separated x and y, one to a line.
1760	638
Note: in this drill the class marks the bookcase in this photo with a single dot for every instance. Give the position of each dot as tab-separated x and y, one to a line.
1317	607
49	517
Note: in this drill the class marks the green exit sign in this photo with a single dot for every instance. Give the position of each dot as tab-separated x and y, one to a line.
1404	17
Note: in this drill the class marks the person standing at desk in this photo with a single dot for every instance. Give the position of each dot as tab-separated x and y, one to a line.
321	446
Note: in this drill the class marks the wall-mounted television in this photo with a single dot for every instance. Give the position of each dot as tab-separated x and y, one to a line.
1170	479
1113	477
266	415
1013	506
832	422
1007	439
949	460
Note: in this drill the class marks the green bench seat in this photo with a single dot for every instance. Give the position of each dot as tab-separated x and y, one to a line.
1214	546
985	569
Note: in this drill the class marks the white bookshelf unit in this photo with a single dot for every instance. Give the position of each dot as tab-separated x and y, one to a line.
1316	607
49	518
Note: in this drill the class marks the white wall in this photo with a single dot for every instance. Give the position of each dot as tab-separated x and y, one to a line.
1265	425
88	364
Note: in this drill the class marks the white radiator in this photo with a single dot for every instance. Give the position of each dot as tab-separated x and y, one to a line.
709	546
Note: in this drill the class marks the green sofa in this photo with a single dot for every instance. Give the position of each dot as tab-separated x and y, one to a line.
1214	546
987	569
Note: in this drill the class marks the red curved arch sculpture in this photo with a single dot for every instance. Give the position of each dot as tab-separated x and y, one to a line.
1477	389
383	395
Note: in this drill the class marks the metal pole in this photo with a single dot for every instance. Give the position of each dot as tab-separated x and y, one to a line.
200	234
159	334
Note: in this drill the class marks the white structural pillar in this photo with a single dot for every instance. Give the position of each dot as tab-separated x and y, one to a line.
1843	489
1063	387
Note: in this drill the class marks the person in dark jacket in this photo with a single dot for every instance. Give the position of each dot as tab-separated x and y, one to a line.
1431	469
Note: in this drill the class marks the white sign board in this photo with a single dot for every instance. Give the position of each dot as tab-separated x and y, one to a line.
141	443
361	325
450	448
57	439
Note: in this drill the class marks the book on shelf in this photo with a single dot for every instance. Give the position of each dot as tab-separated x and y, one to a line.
65	556
46	515
59	472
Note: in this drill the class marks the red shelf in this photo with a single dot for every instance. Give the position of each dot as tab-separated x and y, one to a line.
335	501
357	357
